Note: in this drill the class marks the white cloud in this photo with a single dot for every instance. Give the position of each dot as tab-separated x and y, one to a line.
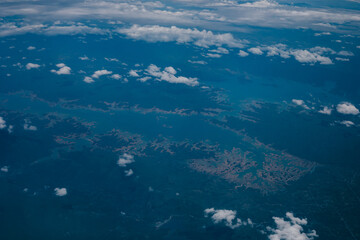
213	55
255	50
28	126
228	217
305	56
31	48
88	80
100	73
321	50
60	65
216	14
310	56
347	123
220	50
125	159
60	192
168	75
12	28
2	123
243	53
260	4
133	73
32	65
4	169
116	76
72	30
144	79
10	128
129	172
199	38
112	59
290	229
345	53
322	34
300	102
342	59
63	69
197	62
84	58
170	70
347	108
326	110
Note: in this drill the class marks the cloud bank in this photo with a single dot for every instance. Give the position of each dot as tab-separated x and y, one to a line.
201	38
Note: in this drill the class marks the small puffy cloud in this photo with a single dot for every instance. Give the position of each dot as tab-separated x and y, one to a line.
290	229
347	108
170	70
4	169
31	48
129	172
228	217
220	50
32	65
144	79
28	126
60	192
321	50
326	110
10	128
116	76
63	69
88	80
305	56
100	73
347	123
243	53
342	59
2	123
213	55
133	73
197	62
255	50
300	102
125	159
322	34
84	58
345	53
112	59
168	75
